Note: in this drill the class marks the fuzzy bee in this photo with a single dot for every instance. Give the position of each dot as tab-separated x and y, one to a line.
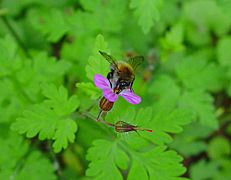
119	82
122	73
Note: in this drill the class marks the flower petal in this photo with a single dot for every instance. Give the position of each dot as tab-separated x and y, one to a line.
101	82
109	95
130	96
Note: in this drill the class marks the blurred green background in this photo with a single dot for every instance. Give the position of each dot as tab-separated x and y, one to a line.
49	49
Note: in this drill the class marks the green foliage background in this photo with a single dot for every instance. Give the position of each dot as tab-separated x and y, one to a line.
49	55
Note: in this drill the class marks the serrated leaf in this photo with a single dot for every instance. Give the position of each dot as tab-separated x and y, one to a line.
173	40
58	99
10	61
15	153
148	164
36	167
201	104
99	10
212	169
168	121
207	15
96	63
50	119
13	149
204	170
44	69
224	55
161	122
224	51
65	133
191	142
11	101
218	148
163	97
38	119
197	73
155	162
103	154
52	24
89	89
147	12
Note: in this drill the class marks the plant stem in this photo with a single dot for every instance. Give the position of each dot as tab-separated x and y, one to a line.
90	116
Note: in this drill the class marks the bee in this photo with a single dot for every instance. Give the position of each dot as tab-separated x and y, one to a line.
122	73
120	77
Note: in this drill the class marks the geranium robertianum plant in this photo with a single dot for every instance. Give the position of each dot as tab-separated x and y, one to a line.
185	84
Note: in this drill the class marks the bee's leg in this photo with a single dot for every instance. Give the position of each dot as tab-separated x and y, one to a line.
109	77
131	85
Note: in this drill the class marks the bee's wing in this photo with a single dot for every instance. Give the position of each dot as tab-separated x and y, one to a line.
135	61
109	58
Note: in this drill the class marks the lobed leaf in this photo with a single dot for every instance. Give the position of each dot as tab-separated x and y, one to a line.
17	162
105	153
147	12
96	63
50	119
201	104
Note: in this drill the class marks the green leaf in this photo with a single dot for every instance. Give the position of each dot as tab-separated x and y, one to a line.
64	134
207	15
50	119
204	170
213	169
13	149
201	104
58	99
161	122
106	158
89	89
168	121
36	167
164	98
17	162
41	20
219	147
173	40
196	72
224	51
155	162
148	164
96	63
11	101
225	6
98	11
224	55
147	12
10	61
43	69
191	142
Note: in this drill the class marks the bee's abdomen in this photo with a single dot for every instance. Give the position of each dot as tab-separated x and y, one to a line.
105	105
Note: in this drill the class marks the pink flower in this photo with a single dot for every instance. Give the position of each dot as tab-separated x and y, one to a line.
103	83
